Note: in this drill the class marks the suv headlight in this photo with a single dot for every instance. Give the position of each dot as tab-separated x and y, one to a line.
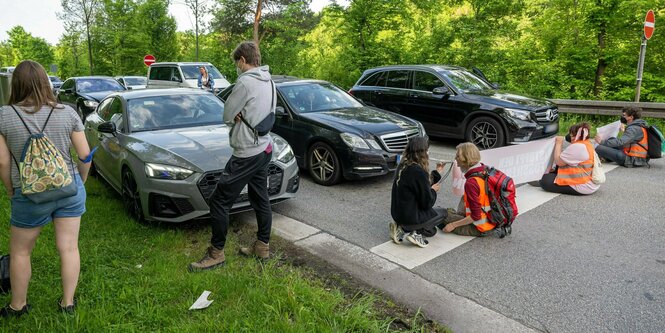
282	150
354	141
161	171
90	104
518	114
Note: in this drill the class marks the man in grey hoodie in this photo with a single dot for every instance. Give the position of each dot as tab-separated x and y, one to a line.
631	149
251	101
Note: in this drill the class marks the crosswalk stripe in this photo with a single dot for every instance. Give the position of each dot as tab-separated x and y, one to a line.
410	256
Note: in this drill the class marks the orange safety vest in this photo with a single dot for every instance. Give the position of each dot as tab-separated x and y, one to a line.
578	174
635	150
483	225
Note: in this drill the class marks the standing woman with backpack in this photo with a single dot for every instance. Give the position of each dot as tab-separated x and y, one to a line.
33	110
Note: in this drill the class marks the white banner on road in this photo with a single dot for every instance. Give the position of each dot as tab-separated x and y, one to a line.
524	163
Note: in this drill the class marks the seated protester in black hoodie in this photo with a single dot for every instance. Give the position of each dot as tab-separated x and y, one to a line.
414	194
631	149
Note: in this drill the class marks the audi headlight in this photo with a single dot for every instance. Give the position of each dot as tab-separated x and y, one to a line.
354	141
161	171
282	150
518	114
90	104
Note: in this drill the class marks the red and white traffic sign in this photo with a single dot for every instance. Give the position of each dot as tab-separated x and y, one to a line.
649	24
149	59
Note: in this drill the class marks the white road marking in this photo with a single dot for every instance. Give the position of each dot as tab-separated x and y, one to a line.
410	256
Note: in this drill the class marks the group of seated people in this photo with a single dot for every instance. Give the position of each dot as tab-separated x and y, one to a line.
414	190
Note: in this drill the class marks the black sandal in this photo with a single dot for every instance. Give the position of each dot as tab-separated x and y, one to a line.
68	309
8	311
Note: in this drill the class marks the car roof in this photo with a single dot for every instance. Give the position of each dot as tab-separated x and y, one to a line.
282	80
411	67
143	93
131	76
90	77
180	63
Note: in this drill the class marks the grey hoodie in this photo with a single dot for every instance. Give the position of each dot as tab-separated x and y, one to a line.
251	96
632	134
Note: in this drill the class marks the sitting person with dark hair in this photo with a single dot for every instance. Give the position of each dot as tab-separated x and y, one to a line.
630	150
574	164
414	194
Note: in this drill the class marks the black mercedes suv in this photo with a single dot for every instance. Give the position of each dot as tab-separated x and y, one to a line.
456	103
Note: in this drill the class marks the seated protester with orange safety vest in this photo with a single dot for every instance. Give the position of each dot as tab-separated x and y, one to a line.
630	150
414	194
574	164
476	201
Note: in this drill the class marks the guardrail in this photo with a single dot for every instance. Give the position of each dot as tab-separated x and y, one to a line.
608	108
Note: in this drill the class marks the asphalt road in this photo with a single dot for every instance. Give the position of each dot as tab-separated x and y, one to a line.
572	264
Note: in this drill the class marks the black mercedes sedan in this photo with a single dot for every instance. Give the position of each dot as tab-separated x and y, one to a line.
333	135
84	93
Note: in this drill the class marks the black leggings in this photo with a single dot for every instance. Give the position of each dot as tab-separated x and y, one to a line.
547	183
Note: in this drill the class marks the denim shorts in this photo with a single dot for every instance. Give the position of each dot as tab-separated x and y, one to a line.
27	214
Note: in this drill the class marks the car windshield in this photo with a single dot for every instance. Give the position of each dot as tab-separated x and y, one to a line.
191	72
465	81
316	97
55	79
174	111
95	85
135	81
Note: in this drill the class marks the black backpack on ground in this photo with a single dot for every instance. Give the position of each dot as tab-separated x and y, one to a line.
5	286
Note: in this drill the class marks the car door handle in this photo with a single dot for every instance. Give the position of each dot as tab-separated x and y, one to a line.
379	92
414	95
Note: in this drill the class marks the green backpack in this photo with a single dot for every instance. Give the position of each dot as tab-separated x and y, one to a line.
43	172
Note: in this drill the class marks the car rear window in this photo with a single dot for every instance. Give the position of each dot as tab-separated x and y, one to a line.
174	111
397	79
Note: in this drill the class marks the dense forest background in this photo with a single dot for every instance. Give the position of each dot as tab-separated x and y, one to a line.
578	49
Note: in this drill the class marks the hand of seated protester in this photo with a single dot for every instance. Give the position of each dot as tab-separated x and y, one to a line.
436	176
449	227
440	166
622	128
598	138
436	187
559	139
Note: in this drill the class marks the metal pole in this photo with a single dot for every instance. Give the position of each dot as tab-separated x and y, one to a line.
640	68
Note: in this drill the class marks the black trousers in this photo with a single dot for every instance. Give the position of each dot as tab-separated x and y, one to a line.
547	183
250	171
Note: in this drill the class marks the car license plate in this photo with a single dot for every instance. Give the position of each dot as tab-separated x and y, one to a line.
552	128
246	189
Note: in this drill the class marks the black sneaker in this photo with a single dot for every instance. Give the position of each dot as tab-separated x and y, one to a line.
7	311
68	309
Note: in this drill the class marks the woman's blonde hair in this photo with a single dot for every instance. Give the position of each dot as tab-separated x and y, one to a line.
467	155
416	152
30	86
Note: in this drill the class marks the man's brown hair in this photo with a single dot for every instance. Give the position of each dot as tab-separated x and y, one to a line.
632	111
30	86
248	50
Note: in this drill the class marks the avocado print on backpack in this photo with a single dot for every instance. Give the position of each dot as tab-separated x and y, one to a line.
42	169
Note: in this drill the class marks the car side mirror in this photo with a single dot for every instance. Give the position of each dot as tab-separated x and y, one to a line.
107	127
441	91
129	88
175	79
279	110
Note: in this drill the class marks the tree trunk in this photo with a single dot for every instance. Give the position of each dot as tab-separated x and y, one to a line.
602	63
87	32
257	19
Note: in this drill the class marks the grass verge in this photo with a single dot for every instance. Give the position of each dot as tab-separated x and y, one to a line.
134	278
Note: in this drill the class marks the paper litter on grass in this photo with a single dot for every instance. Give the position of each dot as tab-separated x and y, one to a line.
202	302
